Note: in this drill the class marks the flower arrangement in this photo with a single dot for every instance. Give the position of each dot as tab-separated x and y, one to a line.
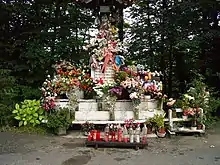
102	89
67	77
86	127
129	123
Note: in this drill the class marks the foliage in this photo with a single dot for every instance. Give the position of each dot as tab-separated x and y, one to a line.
103	89
159	120
120	76
86	127
200	95
29	112
60	118
178	47
39	130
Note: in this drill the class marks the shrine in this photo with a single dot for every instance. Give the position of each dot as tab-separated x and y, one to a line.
122	92
110	90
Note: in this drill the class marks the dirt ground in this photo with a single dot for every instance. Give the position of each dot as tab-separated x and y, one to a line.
24	149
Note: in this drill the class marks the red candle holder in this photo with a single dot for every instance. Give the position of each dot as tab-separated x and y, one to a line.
144	140
89	137
119	136
106	137
94	135
125	139
98	137
113	136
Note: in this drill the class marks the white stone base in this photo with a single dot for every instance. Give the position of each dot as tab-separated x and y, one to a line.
89	110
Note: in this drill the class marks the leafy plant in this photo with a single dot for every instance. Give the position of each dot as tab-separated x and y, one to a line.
60	118
159	120
205	98
120	76
86	127
29	112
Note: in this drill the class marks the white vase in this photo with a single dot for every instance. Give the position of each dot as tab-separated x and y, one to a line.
161	135
147	97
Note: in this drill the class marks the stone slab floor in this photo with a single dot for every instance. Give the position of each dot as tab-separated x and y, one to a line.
24	149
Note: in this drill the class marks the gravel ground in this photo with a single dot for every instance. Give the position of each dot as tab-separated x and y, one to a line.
24	149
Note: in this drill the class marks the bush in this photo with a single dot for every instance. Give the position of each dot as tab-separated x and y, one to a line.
29	112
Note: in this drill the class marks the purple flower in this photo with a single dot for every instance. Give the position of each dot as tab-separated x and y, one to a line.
116	91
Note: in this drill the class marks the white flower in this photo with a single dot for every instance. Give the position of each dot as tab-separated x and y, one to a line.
133	95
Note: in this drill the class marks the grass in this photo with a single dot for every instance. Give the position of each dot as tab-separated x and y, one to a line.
39	130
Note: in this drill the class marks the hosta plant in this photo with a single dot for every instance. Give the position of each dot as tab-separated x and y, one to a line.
29	112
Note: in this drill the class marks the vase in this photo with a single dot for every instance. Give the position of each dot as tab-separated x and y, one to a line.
147	97
199	126
161	135
185	117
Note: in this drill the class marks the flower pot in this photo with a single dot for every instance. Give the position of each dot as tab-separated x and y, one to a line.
193	128
199	126
149	130
147	97
161	134
60	131
185	117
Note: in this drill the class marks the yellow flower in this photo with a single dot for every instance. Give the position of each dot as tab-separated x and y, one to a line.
113	29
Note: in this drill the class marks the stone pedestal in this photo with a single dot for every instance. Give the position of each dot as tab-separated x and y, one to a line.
90	110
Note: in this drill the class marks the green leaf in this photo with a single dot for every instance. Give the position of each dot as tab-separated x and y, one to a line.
20	123
36	115
17	117
41	117
41	111
32	121
15	111
25	122
17	106
37	121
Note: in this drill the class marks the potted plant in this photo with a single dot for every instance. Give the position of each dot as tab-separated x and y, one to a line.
59	121
199	123
150	125
86	127
159	121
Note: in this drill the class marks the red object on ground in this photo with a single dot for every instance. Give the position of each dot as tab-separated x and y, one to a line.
144	140
119	135
125	139
106	137
89	138
113	136
94	135
98	138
